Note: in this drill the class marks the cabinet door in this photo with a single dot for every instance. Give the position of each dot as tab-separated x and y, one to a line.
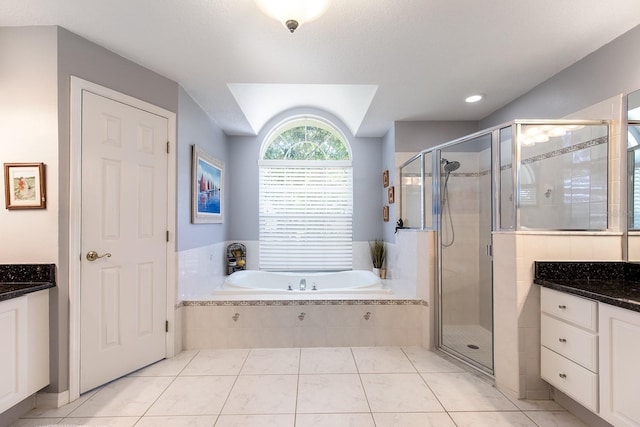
13	314
619	367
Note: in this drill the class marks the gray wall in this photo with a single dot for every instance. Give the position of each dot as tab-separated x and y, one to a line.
609	71
243	180
82	58
416	136
389	147
413	137
196	127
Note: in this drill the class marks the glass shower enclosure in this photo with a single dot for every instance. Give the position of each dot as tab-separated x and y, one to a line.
466	189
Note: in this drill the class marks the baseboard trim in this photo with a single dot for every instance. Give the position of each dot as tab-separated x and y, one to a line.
52	400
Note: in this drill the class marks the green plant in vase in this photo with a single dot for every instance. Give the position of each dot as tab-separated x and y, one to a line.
377	255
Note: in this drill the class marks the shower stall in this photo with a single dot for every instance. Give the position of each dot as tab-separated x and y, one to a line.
467	189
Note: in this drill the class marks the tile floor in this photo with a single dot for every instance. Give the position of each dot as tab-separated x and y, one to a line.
358	386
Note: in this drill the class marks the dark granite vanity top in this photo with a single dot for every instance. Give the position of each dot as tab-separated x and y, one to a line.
20	279
615	283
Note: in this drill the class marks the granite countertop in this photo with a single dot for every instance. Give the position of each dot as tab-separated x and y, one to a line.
614	283
17	280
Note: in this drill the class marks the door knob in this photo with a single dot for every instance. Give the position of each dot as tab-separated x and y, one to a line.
93	255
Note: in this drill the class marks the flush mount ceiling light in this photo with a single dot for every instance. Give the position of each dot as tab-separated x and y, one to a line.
293	13
473	98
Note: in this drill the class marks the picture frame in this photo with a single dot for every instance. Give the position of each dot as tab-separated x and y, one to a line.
24	186
391	195
385	179
207	191
385	213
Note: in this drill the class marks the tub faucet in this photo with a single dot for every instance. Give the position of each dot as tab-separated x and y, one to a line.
303	284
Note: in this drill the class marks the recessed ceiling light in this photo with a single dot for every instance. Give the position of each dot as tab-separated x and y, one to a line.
473	98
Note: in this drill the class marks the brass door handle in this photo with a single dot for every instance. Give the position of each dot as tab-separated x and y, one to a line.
93	255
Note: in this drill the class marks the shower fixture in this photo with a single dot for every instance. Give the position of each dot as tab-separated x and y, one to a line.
448	166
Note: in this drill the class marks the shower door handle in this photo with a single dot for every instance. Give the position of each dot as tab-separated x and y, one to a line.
490	250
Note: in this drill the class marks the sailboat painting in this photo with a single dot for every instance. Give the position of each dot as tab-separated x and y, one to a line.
207	194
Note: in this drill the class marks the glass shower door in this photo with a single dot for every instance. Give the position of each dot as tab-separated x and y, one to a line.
466	279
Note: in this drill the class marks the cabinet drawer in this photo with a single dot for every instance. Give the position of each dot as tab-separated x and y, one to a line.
579	311
570	341
570	378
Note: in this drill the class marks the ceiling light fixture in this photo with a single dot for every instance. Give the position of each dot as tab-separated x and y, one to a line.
473	98
293	13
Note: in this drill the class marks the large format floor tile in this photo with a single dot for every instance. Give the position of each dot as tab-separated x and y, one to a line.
381	360
467	392
331	393
399	393
408	419
555	419
429	361
256	421
129	396
194	396
272	361
177	421
167	367
334	420
304	387
318	360
102	421
216	362
262	394
491	419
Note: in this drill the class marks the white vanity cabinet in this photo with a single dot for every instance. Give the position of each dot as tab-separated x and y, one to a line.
24	347
619	365
569	345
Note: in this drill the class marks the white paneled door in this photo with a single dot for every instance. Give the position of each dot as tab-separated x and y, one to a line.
124	227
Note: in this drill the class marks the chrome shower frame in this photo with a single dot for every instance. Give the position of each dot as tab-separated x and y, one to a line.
510	224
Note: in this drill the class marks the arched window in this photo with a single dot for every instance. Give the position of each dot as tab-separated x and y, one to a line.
306	198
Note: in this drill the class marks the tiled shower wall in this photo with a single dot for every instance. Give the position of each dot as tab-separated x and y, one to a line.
517	299
564	182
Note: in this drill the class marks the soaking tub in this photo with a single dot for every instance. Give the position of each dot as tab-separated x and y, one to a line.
254	282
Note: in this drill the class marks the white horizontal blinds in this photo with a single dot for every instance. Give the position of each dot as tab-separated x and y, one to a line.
305	217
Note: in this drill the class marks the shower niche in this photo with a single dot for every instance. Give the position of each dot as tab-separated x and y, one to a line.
523	175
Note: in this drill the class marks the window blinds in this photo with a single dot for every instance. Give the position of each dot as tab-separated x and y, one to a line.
305	217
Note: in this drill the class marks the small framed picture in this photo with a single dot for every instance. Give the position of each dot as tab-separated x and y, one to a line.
207	182
385	214
385	179
24	186
392	196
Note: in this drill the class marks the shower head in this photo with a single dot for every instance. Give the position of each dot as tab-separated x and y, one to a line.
450	166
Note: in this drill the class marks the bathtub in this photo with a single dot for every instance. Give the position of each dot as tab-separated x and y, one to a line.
254	282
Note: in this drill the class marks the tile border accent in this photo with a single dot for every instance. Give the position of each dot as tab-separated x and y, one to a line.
570	149
566	150
276	303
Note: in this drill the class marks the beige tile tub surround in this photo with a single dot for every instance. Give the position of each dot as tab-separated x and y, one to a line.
325	323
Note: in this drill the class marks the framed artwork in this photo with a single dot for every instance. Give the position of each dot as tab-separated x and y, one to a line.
392	195
385	179
207	176
24	186
385	214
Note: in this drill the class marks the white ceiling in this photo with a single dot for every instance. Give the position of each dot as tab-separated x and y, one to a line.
369	62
